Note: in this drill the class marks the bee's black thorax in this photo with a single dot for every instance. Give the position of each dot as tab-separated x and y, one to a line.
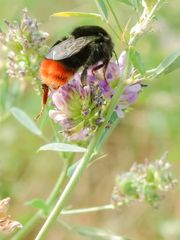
77	60
98	50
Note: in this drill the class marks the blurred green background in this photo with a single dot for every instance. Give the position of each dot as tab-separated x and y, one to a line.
146	132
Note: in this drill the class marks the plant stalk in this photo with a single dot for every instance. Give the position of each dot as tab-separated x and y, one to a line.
80	168
114	16
88	210
88	155
35	219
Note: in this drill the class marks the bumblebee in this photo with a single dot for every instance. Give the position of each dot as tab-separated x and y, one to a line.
84	47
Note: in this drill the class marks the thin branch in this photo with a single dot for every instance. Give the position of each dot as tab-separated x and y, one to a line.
88	210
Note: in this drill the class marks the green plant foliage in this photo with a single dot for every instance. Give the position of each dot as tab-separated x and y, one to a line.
137	60
77	14
102	8
25	120
39	204
62	147
169	64
97	234
132	3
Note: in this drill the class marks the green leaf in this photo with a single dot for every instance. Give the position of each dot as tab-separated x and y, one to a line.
102	8
137	60
128	2
169	64
62	147
132	3
77	14
96	233
39	204
25	120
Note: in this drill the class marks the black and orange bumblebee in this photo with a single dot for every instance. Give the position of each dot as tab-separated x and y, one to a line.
86	46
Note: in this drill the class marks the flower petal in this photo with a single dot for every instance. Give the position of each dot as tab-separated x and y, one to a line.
133	88
56	115
57	99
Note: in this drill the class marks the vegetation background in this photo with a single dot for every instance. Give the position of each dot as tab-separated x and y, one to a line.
150	129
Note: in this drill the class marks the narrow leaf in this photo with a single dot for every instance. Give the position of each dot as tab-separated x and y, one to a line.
62	147
25	120
39	204
102	8
76	14
136	60
133	3
128	2
97	233
169	64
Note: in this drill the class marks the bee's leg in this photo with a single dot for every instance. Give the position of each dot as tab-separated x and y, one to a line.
84	75
104	70
104	65
45	90
97	68
90	61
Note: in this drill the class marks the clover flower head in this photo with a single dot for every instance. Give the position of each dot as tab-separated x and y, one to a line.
144	182
78	109
25	45
7	224
81	110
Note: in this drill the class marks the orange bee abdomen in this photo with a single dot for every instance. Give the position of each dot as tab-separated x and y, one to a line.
54	74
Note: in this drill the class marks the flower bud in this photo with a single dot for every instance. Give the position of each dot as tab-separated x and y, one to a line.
144	182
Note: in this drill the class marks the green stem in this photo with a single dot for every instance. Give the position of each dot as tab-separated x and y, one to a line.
88	210
28	227
80	168
144	22
57	188
55	192
112	29
104	19
115	17
53	196
107	134
87	156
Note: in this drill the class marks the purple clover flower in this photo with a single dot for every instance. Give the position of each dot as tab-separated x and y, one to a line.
80	110
77	109
130	96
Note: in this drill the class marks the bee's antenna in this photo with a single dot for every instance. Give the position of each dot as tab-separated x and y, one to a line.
45	89
116	57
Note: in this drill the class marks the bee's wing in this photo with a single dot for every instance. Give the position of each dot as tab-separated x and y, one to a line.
69	47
